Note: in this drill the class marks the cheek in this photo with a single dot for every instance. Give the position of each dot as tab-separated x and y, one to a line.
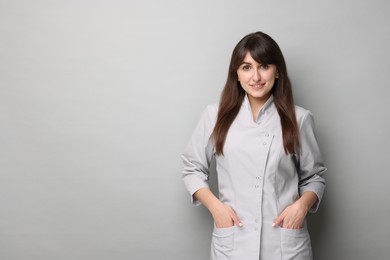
271	80
243	76
271	76
240	77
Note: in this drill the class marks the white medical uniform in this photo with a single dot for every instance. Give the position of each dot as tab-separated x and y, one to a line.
258	180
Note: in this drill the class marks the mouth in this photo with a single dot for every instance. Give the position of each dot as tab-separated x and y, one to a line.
257	86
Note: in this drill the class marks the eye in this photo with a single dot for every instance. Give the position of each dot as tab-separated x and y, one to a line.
264	66
246	67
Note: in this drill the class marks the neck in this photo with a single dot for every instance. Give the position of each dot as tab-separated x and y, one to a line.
256	105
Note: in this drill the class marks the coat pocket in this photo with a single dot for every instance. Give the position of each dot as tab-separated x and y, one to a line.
222	243
295	244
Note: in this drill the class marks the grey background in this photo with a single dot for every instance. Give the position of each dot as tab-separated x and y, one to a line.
98	100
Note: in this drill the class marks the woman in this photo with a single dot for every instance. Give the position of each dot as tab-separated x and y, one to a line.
268	161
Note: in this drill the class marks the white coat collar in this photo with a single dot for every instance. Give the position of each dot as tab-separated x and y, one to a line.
266	106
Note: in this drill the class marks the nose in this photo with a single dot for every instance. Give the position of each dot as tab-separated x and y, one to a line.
256	76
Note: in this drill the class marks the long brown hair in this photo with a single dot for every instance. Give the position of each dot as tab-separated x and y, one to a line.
264	50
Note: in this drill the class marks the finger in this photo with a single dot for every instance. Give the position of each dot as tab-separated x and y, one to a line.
286	225
224	224
291	224
278	221
237	221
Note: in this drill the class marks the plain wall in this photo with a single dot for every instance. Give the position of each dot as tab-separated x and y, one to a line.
99	98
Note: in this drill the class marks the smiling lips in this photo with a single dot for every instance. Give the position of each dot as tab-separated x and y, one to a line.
257	86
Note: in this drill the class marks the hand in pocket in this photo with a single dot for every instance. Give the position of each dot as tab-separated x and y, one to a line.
292	217
224	216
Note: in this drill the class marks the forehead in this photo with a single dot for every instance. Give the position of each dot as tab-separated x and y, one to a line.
249	59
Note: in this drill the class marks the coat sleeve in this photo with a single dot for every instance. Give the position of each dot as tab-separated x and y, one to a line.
198	155
311	165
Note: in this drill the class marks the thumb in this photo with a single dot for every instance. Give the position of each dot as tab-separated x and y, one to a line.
278	221
237	221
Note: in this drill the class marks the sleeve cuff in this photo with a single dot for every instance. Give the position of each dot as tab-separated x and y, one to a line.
193	184
318	189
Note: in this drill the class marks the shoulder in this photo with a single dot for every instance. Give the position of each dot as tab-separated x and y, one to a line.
211	111
213	108
303	115
209	116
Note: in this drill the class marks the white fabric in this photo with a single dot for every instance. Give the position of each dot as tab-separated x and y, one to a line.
258	180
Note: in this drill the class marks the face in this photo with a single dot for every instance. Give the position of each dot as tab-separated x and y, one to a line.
256	79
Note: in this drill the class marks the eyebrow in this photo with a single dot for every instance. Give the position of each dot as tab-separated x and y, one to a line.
248	63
